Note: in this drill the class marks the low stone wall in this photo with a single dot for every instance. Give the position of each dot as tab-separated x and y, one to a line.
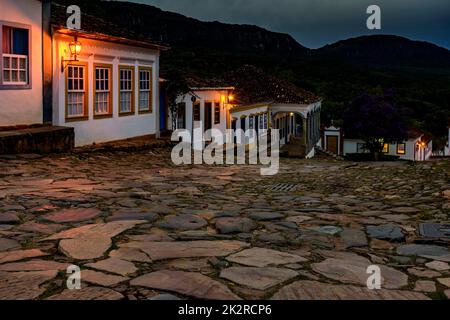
46	139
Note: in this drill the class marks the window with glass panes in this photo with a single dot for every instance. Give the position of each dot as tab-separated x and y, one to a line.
76	91
15	56
102	105
126	90
145	84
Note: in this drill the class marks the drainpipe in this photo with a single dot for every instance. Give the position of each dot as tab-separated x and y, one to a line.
47	63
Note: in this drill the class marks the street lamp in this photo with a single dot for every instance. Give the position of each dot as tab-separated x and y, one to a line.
75	50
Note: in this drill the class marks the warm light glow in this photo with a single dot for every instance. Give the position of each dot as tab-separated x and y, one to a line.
222	97
292	114
230	97
75	48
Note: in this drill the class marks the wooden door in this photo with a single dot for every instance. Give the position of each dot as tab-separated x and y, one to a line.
332	144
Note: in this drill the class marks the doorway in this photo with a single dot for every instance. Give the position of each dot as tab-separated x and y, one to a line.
332	144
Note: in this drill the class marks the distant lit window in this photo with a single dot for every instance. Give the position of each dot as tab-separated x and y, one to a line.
401	148
197	116
386	148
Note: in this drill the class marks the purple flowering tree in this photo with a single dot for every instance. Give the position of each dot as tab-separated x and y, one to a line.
375	119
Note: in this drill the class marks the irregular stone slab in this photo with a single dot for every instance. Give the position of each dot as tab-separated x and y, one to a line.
329	230
114	265
72	215
406	210
425	286
438	265
24	285
446	194
109	230
183	222
298	219
313	290
266	216
355	272
88	293
200	265
258	278
165	297
260	257
85	248
100	278
34	265
421	273
46	229
187	249
186	283
235	225
354	238
18	255
8	244
130	254
435	230
9	217
425	251
444	281
389	232
133	215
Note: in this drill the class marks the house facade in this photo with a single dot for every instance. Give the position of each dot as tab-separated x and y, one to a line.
98	83
21	81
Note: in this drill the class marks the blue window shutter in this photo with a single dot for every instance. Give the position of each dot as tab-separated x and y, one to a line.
20	41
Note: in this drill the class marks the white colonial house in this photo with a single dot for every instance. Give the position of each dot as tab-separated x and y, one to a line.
99	82
418	147
248	98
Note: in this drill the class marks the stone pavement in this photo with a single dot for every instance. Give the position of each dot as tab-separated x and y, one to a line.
141	228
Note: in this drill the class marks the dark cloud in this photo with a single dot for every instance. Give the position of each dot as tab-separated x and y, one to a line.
315	23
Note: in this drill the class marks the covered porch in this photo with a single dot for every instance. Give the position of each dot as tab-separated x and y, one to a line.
298	125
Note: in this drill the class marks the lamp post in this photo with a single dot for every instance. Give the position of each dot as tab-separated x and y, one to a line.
75	50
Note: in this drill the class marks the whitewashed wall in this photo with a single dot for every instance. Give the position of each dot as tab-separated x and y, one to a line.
350	146
115	128
24	106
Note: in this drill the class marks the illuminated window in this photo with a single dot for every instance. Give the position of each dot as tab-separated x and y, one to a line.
76	104
15	56
217	113
401	148
103	96
386	148
126	93
145	91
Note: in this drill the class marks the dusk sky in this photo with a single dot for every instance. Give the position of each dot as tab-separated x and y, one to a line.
315	23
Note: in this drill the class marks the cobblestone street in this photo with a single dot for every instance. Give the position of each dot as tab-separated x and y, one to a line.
141	228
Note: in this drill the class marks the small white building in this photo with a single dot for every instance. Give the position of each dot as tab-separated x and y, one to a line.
418	147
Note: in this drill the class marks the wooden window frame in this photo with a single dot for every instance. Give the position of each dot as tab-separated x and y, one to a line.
111	77
29	85
398	150
85	117
150	107
133	90
197	103
217	106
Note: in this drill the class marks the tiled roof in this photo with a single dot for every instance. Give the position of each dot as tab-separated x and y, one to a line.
254	86
96	26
